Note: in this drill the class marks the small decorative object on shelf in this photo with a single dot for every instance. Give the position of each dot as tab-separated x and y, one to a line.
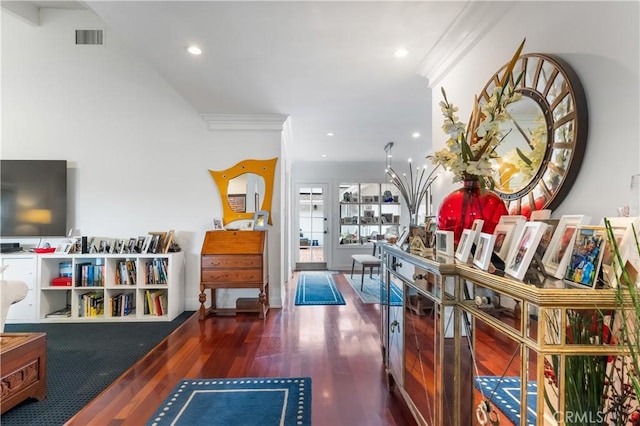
468	155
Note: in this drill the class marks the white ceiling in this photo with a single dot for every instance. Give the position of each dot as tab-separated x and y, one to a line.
329	65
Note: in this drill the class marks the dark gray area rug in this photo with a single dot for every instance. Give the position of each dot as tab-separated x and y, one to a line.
82	360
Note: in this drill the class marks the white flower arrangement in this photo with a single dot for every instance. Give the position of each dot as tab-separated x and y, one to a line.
468	153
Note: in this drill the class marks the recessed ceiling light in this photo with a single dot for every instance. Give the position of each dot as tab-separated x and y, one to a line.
415	135
324	155
330	134
194	50
401	52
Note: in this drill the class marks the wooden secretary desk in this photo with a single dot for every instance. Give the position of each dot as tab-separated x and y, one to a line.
234	259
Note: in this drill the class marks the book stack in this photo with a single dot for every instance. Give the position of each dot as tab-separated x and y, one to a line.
91	305
121	305
155	303
156	271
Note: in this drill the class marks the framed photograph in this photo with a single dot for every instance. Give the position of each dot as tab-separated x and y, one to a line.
623	234
146	243
64	246
260	220
169	241
238	202
556	256
540	215
588	248
524	248
444	243
159	242
477	228
467	239
124	247
217	224
513	225
484	248
552	224
501	233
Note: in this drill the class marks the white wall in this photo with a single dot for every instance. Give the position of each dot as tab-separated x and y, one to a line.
600	41
138	154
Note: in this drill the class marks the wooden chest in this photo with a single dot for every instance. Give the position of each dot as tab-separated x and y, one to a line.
234	259
24	367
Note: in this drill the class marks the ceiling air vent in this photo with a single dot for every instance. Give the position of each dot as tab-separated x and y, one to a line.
89	37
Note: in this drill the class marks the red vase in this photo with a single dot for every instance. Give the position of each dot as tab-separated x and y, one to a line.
461	207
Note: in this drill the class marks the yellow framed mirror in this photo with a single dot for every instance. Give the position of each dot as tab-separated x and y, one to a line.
246	188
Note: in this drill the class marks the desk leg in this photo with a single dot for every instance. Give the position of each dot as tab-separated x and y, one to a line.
202	299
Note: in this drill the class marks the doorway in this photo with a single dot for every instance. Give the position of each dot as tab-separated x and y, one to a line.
312	225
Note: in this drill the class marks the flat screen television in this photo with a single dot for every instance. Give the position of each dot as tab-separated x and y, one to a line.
33	200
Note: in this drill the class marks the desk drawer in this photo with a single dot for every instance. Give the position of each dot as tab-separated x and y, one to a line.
232	275
222	261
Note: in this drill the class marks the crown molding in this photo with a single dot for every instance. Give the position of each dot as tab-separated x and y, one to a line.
270	122
469	27
24	10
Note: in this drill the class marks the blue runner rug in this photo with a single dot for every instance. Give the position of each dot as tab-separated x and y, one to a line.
230	402
318	288
372	291
507	398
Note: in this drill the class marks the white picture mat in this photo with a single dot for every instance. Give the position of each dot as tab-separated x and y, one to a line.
623	231
484	249
444	243
524	248
516	222
556	257
467	239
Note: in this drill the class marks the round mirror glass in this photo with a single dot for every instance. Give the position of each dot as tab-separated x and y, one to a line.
523	149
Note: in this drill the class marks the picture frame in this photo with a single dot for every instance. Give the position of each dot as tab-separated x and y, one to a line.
523	249
217	224
484	249
157	244
238	202
552	224
538	215
476	226
402	238
556	256
514	223
589	245
444	243
169	241
64	246
260	220
467	239
501	233
146	243
623	234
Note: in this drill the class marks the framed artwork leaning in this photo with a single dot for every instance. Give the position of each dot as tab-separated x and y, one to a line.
510	226
484	248
589	245
467	239
556	255
524	248
444	243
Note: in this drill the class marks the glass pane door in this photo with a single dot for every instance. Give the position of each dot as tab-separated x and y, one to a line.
312	223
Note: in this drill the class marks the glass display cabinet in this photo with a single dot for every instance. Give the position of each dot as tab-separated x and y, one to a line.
366	211
458	359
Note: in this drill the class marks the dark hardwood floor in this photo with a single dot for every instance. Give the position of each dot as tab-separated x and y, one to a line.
337	346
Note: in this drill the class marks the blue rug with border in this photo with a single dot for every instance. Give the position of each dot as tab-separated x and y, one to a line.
259	401
318	288
372	291
507	398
